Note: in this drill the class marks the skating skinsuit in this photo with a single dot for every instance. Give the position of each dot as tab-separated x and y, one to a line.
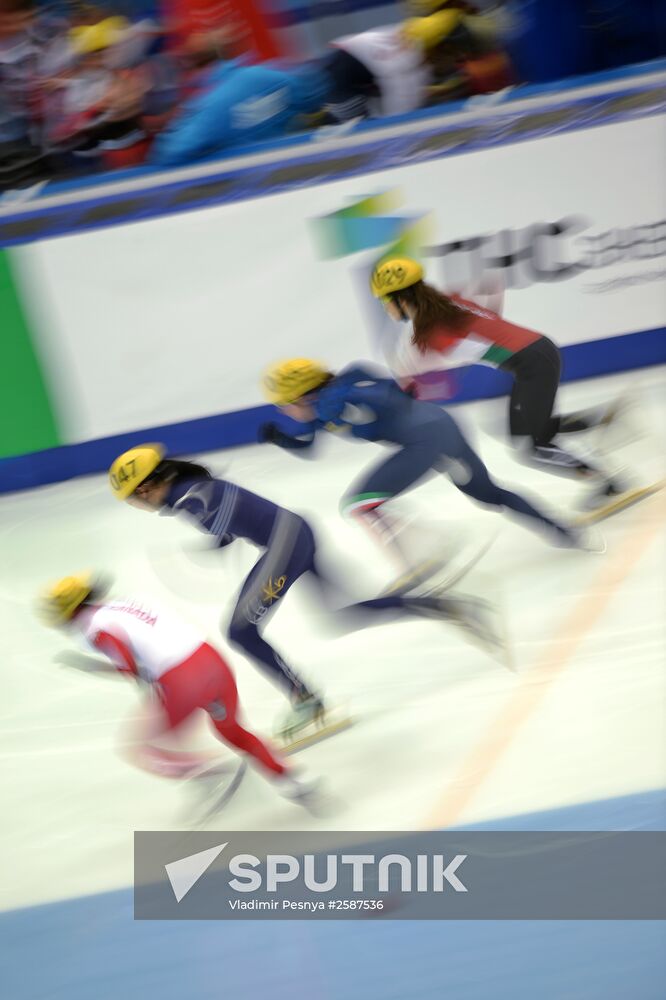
155	642
485	338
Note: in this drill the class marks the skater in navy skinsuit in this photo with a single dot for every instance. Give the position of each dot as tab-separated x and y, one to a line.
147	478
424	439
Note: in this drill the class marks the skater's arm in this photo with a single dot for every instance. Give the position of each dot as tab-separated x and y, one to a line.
117	651
202	502
272	433
83	661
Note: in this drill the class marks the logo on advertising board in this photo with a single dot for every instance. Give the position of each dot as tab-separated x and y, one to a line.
543	251
554	251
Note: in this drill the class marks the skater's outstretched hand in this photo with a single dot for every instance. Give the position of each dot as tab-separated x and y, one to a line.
271	433
82	661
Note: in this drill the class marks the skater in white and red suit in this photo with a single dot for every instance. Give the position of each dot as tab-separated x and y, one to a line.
185	672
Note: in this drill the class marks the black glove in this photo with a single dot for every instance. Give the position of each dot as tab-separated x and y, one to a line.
267	434
272	433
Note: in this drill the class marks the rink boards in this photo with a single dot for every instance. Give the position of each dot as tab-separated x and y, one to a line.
147	306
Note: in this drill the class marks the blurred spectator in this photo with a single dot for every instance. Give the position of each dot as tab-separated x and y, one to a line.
89	85
462	48
94	107
238	104
74	84
378	72
25	39
449	52
197	24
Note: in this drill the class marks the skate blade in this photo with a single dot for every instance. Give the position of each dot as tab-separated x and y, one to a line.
455	574
624	426
493	639
429	572
315	733
503	652
494	644
224	780
594	541
617	504
414	578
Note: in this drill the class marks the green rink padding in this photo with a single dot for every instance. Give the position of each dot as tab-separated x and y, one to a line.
27	420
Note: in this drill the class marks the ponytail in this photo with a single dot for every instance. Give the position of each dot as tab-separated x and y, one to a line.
431	308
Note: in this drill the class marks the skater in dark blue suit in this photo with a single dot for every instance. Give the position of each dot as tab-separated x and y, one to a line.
147	478
424	437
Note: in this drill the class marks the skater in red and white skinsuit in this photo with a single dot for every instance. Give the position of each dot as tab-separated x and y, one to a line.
186	673
461	332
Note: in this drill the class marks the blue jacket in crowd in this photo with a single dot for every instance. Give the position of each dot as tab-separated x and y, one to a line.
240	103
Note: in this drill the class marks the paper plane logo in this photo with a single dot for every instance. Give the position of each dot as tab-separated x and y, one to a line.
186	872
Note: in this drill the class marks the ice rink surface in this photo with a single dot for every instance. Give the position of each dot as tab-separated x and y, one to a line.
444	736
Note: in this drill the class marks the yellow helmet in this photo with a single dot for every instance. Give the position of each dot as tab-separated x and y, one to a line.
97	37
289	380
393	274
428	32
59	601
131	468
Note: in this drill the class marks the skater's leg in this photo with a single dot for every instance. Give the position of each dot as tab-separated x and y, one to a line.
381	610
181	692
536	371
246	636
248	743
288	557
347	617
224	710
364	501
421	549
471	477
583	420
403	469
